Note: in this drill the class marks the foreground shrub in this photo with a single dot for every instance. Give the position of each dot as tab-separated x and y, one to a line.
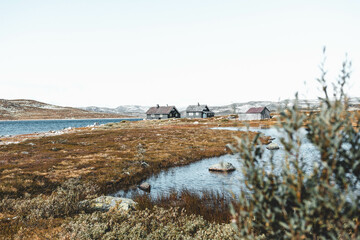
157	223
212	206
64	201
324	202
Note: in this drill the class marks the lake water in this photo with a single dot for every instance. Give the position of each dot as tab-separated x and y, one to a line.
33	126
196	177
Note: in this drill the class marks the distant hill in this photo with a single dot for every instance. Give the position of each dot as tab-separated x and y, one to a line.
129	110
136	110
21	109
236	108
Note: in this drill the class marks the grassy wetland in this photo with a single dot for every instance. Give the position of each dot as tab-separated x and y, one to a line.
45	177
44	180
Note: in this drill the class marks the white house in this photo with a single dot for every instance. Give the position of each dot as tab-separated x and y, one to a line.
259	113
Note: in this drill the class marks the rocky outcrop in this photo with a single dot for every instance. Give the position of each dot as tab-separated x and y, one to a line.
273	146
105	203
222	167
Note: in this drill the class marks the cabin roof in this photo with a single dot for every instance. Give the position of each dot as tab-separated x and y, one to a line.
160	110
197	108
256	110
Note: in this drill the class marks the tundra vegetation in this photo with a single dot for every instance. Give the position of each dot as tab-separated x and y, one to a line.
43	180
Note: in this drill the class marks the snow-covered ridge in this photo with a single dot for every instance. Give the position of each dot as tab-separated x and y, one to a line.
136	110
131	110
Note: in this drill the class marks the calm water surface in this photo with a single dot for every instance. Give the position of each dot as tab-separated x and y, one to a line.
32	126
196	176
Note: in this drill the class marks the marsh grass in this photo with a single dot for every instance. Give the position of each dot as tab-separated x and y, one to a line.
212	206
60	216
109	158
35	212
158	223
37	203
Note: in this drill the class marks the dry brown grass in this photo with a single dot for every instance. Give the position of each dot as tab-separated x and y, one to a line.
109	156
212	206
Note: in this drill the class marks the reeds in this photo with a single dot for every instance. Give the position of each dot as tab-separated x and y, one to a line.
212	206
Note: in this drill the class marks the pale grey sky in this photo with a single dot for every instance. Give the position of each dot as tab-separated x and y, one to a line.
111	53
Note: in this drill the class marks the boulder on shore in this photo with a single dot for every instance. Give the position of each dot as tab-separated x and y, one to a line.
272	146
145	187
105	203
222	167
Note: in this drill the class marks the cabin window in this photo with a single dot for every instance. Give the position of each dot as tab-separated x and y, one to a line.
197	114
191	114
152	115
161	115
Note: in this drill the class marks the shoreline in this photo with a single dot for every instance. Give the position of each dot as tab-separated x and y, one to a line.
65	119
14	138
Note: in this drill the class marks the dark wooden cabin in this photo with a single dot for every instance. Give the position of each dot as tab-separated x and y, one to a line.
199	111
162	112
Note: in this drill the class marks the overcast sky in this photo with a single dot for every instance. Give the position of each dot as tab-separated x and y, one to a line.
110	53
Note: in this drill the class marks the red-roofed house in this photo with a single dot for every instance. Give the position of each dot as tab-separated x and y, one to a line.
255	114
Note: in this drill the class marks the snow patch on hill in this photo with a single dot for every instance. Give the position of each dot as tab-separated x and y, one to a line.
130	110
235	108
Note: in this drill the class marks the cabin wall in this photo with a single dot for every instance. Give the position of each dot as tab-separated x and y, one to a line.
198	115
266	114
157	116
210	115
194	114
173	114
150	116
249	116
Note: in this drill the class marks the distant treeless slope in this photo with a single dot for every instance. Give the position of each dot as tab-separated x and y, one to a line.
22	109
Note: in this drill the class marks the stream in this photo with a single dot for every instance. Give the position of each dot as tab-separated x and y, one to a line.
197	178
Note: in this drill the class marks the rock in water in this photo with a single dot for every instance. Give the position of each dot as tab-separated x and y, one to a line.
145	187
222	167
105	203
272	146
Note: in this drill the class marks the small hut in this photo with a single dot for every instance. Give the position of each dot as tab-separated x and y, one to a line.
162	112
199	111
259	113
